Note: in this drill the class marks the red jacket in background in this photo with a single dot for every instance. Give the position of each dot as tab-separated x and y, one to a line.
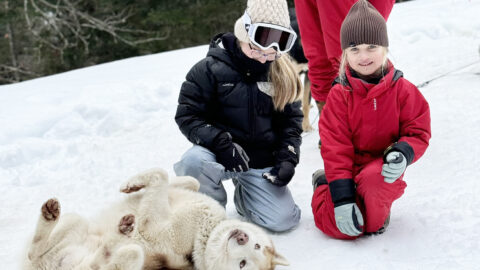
361	120
319	22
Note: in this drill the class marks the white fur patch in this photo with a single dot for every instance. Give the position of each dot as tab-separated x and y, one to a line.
266	87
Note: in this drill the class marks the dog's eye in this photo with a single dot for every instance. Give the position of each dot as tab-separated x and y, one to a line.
257	246
243	263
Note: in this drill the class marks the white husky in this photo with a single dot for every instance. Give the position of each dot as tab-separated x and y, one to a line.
158	226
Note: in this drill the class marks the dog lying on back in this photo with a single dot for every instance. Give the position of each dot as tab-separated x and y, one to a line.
158	226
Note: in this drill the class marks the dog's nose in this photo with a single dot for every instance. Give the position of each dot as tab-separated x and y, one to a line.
242	238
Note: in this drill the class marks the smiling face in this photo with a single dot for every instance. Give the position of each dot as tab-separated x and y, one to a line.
366	59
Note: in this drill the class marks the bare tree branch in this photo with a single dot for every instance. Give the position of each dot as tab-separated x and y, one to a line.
7	73
11	45
64	25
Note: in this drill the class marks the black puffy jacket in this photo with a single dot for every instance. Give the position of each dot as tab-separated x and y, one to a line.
221	94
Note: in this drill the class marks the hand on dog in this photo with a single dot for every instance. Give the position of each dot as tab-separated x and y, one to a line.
281	174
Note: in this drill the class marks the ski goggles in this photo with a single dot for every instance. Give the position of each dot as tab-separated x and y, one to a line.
265	35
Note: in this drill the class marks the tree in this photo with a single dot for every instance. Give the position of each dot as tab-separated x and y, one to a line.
12	41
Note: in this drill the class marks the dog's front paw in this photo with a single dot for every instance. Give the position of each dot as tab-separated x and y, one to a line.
126	224
51	209
144	179
131	187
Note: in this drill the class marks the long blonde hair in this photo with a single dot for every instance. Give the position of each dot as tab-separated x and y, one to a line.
344	62
285	81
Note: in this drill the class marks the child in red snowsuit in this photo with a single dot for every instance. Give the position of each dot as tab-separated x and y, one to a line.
375	123
319	23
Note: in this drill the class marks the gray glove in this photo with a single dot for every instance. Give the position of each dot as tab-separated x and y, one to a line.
349	219
395	166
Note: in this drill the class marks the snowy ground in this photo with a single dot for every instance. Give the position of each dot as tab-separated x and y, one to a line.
76	136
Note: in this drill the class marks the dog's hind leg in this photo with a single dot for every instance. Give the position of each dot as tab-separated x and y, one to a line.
46	223
52	232
185	182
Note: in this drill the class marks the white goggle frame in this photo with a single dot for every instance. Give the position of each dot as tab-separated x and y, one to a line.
251	29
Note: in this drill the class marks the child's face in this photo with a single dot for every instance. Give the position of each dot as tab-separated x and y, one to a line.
365	59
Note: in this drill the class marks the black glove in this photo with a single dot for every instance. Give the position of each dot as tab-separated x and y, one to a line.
281	174
229	154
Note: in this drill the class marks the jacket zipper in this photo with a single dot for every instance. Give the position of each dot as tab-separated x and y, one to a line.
251	112
374	104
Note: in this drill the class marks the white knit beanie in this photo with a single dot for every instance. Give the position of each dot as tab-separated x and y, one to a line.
263	11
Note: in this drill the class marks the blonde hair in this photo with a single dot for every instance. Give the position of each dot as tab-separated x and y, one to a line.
285	81
344	63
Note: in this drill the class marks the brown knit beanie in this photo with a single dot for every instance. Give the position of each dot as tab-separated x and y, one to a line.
263	11
363	25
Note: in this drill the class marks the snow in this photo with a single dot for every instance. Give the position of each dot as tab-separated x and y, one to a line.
78	135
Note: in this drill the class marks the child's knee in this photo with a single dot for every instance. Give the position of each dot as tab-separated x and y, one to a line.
370	177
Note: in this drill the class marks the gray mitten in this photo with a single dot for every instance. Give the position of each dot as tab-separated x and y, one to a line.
349	219
395	166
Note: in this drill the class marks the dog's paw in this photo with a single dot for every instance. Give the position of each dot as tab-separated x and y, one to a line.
126	224
51	210
131	187
144	179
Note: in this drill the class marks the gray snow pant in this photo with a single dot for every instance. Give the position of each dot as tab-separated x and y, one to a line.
261	202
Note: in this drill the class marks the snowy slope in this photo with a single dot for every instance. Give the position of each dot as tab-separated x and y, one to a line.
76	136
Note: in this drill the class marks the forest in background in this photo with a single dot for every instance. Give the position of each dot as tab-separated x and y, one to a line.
44	37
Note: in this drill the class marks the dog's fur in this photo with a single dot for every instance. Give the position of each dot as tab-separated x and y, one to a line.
302	71
158	226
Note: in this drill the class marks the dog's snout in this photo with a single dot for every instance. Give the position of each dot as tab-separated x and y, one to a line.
240	236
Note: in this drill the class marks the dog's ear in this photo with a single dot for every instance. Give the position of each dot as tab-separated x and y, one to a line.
279	260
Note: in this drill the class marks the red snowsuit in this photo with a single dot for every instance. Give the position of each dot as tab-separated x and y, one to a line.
358	123
319	22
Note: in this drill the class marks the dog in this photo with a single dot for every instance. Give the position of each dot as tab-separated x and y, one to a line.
302	71
160	225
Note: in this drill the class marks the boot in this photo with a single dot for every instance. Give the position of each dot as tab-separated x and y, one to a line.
382	229
318	178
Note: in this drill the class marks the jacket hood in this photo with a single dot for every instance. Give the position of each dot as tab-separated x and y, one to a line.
217	50
224	48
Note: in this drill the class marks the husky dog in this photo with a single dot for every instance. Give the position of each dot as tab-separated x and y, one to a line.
158	226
